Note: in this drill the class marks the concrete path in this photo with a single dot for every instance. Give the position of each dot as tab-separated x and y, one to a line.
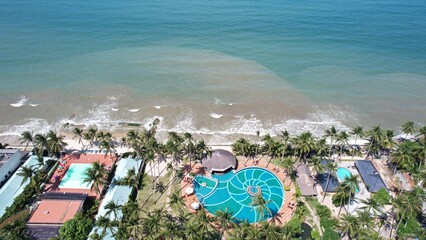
314	215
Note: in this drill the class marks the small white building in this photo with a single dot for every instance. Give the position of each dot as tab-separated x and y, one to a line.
10	159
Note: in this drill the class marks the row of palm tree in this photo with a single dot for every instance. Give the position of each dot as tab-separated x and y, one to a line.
162	224
51	142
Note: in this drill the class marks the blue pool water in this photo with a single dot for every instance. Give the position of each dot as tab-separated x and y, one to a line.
343	173
235	191
74	177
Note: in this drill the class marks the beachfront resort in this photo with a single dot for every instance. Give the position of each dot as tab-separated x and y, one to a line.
353	184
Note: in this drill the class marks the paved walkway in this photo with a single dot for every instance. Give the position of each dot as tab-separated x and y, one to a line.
314	215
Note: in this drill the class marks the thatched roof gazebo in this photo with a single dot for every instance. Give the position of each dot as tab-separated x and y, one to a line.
219	161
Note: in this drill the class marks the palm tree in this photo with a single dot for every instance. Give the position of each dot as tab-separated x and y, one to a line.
105	223
241	147
365	221
304	144
151	224
205	223
112	207
28	173
353	182
172	229
375	138
371	204
78	134
422	133
56	143
331	133
331	171
176	201
27	138
349	225
270	147
260	205
387	141
131	179
408	128
358	132
225	221
41	143
321	148
241	232
95	175
421	152
270	231
317	166
191	231
108	146
403	157
343	195
343	140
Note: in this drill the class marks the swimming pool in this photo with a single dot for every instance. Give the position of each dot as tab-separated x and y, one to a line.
343	173
74	177
235	191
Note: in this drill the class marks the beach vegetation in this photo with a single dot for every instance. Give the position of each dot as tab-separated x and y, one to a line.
77	228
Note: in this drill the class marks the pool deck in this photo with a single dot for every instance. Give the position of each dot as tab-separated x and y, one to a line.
282	217
53	184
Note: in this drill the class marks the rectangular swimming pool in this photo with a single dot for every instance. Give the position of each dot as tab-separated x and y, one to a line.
74	177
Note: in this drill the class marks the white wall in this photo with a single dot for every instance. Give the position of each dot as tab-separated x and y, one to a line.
10	166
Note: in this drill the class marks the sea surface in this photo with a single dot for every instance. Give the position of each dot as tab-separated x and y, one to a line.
212	67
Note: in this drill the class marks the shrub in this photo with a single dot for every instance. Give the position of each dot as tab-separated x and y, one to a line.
77	228
382	196
323	211
410	229
315	235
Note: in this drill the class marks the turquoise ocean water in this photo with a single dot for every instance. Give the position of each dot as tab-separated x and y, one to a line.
214	67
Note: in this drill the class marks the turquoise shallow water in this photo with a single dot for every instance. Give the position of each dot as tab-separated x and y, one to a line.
212	66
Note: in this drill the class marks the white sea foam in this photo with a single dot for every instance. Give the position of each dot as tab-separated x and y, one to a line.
36	125
99	115
134	110
112	97
230	104
147	123
34	104
157	107
114	109
215	115
21	102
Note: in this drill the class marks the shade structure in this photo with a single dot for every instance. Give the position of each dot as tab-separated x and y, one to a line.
219	161
195	205
189	190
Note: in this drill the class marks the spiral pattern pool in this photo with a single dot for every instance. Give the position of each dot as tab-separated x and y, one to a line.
235	192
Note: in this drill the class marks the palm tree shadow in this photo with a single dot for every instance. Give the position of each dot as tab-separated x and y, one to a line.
276	219
200	170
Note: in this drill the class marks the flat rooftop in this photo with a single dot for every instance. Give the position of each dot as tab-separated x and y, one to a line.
53	211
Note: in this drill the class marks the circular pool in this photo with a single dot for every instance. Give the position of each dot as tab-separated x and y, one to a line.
235	192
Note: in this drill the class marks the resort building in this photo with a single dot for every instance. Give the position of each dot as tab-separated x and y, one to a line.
10	159
371	177
120	195
219	161
52	212
305	181
15	185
